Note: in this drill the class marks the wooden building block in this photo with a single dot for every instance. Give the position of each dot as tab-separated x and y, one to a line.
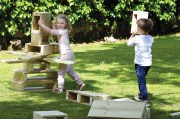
35	80
117	110
21	75
136	16
85	97
28	57
42	49
57	60
35	28
38	39
38	65
49	114
147	110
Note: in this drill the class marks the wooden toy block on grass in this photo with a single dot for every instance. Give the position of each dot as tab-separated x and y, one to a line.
147	109
32	85
36	16
21	75
49	115
136	16
108	109
85	97
23	80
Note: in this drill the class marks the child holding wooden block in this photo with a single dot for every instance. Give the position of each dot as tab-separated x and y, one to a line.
143	57
62	30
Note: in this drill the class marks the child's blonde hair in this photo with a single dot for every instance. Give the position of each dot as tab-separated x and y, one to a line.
65	17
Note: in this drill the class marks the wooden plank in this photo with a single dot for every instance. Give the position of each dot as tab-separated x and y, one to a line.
117	109
24	58
57	60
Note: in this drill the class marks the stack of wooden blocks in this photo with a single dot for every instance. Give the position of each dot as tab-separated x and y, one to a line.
33	65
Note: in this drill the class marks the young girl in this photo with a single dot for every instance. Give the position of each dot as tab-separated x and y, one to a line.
143	57
62	30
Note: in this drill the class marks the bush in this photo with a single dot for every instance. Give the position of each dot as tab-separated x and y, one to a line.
91	19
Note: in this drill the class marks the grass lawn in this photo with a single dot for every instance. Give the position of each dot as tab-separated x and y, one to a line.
105	68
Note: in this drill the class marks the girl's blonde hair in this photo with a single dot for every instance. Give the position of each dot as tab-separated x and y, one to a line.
65	17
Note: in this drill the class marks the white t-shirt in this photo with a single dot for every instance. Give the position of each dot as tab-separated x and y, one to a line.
63	40
143	44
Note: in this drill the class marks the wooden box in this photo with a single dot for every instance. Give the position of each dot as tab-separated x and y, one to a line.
38	39
49	114
36	16
136	16
42	49
85	97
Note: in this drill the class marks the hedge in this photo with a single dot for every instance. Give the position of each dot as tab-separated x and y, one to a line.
91	19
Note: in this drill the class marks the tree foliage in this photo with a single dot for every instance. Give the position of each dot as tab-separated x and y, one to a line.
108	16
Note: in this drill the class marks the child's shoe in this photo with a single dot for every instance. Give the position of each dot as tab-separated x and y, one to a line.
81	86
138	98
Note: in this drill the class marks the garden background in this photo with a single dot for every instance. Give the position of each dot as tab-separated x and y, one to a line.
91	20
106	67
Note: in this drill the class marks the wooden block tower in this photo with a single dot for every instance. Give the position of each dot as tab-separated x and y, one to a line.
36	73
136	16
40	39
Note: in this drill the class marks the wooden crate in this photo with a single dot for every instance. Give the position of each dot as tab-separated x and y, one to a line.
136	16
23	80
35	28
85	97
38	39
42	49
49	114
109	109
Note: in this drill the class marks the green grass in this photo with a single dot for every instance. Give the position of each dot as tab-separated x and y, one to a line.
105	68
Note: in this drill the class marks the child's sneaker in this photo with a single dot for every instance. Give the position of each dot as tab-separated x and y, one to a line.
138	98
81	86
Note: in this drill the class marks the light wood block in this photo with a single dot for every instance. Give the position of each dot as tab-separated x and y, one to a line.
21	75
117	110
42	49
57	60
23	80
49	114
35	28
38	65
136	16
85	97
147	110
38	39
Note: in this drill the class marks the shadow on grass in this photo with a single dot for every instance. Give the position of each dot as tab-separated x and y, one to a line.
35	101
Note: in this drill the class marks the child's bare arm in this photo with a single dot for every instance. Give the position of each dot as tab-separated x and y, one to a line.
46	28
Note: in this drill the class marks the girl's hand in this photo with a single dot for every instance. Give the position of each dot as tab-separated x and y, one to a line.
40	22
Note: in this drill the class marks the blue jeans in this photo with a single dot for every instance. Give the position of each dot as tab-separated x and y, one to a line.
141	72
